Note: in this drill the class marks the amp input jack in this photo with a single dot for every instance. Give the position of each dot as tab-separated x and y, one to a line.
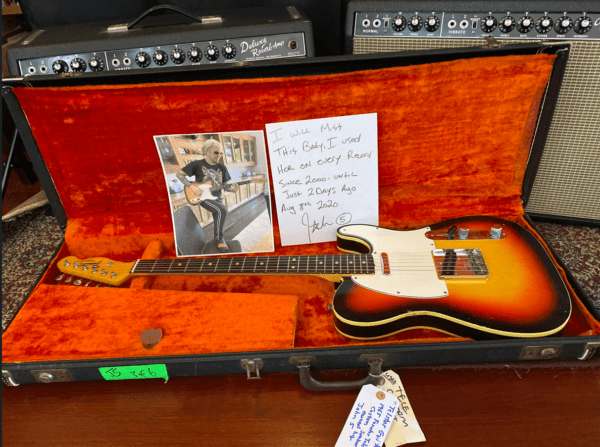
116	62
43	69
31	70
452	24
127	62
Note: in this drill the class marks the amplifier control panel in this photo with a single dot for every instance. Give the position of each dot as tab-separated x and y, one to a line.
193	53
498	24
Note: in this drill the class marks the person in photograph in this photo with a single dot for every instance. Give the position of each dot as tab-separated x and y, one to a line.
212	178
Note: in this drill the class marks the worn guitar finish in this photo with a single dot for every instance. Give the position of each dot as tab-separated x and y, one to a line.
398	280
208	190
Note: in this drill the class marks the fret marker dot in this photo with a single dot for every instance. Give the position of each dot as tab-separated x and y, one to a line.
261	263
321	262
336	262
351	262
237	263
210	263
293	266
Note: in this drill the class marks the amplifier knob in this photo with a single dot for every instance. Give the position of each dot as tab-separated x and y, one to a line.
177	56
544	24
60	66
432	23
507	24
142	59
525	24
78	64
563	25
96	64
583	25
212	53
415	23
160	57
228	50
194	54
489	24
399	23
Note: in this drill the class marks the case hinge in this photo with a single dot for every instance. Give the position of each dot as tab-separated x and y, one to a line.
590	348
251	367
547	352
52	375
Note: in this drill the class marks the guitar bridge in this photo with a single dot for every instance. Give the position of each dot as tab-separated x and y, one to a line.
460	263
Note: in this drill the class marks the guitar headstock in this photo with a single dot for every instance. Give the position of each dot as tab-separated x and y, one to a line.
101	270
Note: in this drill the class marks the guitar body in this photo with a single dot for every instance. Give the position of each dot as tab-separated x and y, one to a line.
523	294
206	194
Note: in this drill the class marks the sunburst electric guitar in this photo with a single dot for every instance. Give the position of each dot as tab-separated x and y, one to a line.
478	277
208	190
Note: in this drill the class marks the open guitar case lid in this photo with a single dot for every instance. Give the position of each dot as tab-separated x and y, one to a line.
460	133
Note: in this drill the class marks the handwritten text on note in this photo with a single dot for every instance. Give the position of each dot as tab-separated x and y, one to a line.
370	419
324	176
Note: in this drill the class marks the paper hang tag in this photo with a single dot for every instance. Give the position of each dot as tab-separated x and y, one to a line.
370	419
405	428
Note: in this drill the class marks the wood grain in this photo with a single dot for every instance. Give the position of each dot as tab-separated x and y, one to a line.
464	407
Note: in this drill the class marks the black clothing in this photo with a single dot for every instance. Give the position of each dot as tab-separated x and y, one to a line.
204	172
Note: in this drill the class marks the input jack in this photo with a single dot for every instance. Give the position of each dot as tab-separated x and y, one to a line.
452	24
376	23
31	70
127	61
43	69
366	23
116	62
464	24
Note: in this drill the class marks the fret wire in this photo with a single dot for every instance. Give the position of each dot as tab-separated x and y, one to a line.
243	264
255	262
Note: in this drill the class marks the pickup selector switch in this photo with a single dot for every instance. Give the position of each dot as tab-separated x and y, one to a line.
211	53
432	23
96	64
489	24
142	59
178	56
60	66
194	54
160	57
582	25
415	23
525	24
78	65
399	23
563	25
544	24
507	24
228	51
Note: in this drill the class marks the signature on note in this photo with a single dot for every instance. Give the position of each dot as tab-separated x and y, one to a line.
312	227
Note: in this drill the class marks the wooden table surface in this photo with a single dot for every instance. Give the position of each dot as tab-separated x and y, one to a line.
465	407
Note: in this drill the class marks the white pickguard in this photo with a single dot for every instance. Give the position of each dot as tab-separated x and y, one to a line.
411	262
206	194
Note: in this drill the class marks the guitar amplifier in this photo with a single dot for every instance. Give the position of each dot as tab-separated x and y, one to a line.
567	185
164	41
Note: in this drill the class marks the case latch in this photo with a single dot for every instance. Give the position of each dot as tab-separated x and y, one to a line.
52	375
590	348
251	367
7	378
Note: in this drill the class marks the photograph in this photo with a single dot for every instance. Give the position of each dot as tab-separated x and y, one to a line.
218	186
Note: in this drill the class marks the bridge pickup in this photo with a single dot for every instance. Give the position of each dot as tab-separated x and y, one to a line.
472	235
460	263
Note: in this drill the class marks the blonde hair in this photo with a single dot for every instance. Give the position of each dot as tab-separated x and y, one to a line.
210	143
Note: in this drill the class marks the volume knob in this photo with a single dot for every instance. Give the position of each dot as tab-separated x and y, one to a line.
78	65
96	64
399	23
160	57
142	59
415	23
60	66
432	23
489	24
177	56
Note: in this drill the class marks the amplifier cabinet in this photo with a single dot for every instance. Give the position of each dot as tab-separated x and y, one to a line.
567	185
163	42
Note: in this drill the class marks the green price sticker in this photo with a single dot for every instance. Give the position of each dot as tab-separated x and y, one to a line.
135	372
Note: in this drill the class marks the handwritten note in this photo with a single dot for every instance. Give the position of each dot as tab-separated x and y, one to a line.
324	176
405	428
370	419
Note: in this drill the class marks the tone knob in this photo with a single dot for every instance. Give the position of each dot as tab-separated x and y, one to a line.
96	64
78	65
432	23
489	24
507	24
160	57
582	25
178	56
563	25
415	23
544	24
228	51
496	232
525	24
463	233
211	53
142	59
194	54
60	66
399	23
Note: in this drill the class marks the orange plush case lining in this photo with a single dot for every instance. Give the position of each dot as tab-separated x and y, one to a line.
454	140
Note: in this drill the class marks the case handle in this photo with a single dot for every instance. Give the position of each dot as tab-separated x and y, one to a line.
127	26
311	384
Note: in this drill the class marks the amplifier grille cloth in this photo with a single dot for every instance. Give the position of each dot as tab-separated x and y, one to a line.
568	180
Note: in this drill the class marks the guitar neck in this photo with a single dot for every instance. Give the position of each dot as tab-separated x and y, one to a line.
351	264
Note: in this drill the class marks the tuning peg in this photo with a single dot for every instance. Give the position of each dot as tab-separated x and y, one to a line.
60	277
88	283
77	282
68	280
